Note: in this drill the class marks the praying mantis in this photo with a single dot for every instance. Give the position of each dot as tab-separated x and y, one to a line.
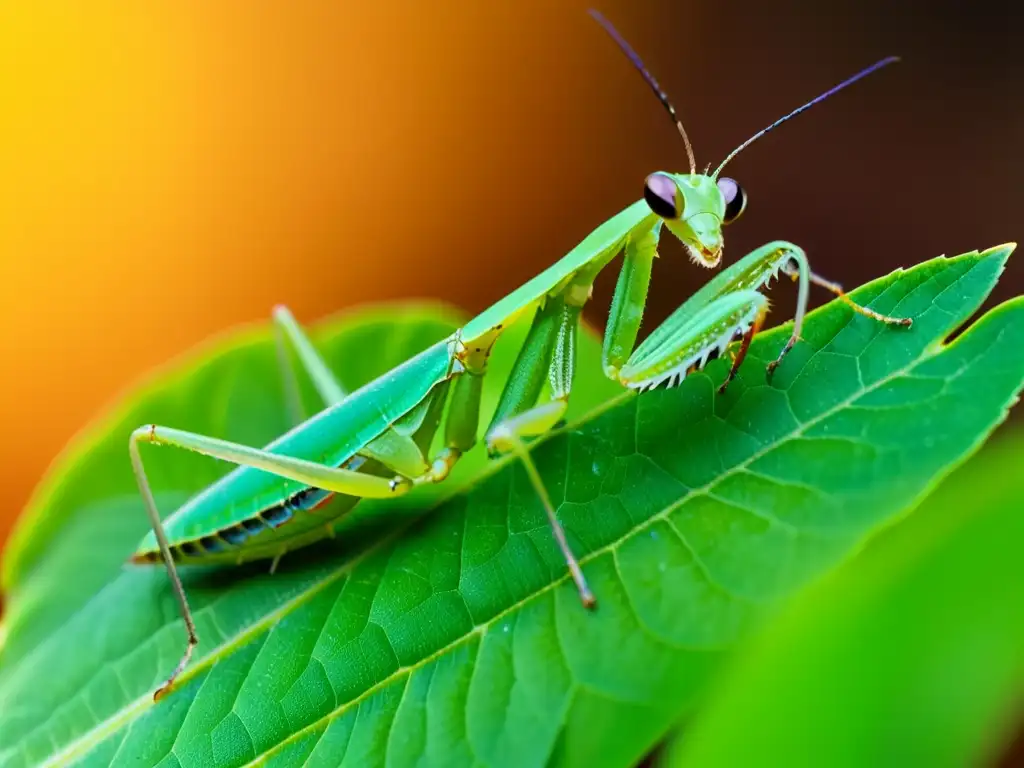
376	442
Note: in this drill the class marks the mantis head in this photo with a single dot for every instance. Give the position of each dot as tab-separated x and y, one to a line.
695	207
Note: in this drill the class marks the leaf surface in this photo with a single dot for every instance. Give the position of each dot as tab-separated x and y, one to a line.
455	637
913	654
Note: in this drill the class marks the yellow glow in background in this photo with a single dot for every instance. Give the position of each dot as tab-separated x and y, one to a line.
169	169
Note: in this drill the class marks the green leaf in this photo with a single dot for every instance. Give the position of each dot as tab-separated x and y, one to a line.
455	637
913	654
85	518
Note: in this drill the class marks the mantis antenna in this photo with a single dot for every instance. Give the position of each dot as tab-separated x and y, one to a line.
638	63
832	91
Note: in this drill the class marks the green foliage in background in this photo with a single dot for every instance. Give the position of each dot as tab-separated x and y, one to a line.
454	636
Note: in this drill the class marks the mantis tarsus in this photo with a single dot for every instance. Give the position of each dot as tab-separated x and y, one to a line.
375	442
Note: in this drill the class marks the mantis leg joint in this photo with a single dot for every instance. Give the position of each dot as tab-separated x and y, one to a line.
399	484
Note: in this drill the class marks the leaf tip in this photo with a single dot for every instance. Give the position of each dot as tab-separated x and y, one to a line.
999	252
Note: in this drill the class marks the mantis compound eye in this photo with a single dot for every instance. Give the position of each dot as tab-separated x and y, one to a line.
735	199
662	196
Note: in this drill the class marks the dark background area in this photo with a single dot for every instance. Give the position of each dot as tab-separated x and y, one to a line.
177	171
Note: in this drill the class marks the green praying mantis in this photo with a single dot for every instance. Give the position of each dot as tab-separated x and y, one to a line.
375	442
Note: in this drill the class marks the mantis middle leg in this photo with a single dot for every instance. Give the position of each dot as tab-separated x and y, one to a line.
549	352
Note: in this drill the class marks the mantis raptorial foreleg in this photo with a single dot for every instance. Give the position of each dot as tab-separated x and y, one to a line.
630	297
728	306
690	341
741	353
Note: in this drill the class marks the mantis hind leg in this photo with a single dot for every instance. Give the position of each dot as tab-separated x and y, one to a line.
288	333
165	551
329	478
549	350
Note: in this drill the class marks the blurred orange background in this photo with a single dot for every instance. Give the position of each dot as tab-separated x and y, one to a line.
169	169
